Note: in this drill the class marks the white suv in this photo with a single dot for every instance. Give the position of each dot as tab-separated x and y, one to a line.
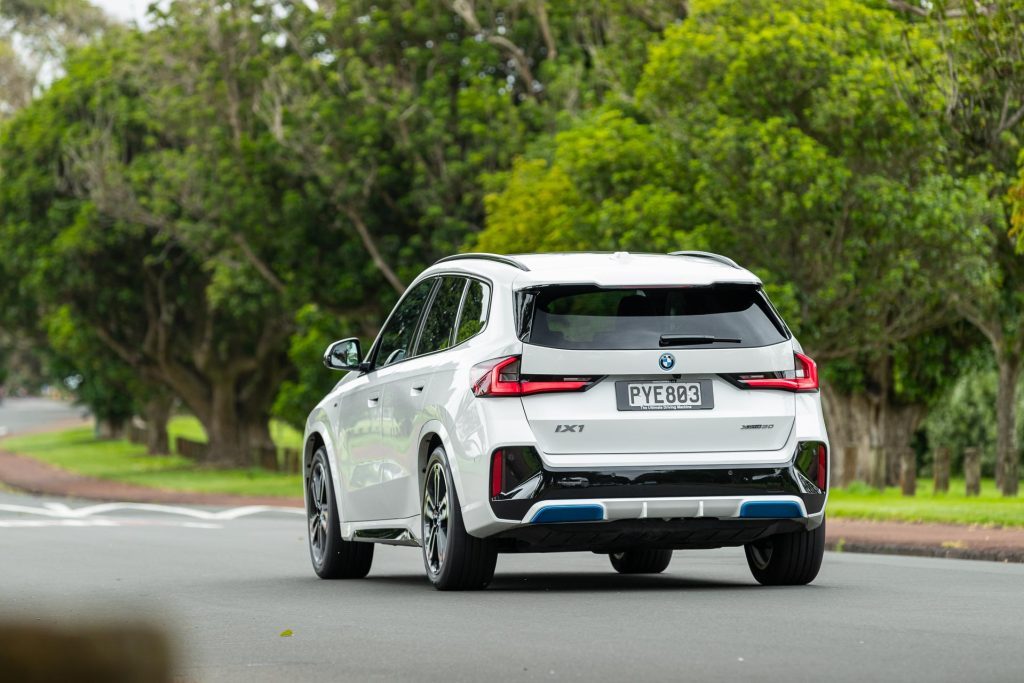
626	404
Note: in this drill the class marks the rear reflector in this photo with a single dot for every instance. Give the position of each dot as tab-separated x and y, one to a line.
500	377
803	378
811	461
822	467
771	509
568	513
497	469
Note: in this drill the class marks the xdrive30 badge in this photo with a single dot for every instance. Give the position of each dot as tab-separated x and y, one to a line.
666	361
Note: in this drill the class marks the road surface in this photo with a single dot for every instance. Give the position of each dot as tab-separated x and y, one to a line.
226	583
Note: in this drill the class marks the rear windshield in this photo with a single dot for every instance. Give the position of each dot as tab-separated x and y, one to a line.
589	317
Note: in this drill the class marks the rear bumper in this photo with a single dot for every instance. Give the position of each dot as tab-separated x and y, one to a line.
640	493
621	535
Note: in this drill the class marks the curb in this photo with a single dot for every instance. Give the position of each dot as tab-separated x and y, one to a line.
841	545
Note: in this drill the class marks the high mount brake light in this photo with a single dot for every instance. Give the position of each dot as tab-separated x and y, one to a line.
500	377
803	378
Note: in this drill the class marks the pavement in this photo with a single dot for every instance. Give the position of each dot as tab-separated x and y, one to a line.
234	591
226	584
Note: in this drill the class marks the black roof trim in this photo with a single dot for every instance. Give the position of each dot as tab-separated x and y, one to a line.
497	258
708	255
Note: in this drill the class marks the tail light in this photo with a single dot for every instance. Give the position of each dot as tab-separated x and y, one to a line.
803	378
500	377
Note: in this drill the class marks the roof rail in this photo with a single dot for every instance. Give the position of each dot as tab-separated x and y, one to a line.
708	255
497	258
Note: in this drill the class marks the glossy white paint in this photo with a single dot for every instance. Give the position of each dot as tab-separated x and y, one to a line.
376	425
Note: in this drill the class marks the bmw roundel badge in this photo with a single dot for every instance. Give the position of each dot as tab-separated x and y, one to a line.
667	361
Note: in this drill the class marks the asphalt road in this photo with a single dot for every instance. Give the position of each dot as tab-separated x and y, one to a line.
25	414
225	584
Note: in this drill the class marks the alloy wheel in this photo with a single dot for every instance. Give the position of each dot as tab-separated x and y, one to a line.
319	513
435	517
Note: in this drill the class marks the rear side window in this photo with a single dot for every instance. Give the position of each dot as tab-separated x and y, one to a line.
397	337
474	311
439	326
590	317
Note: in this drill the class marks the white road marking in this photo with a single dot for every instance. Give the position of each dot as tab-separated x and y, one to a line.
99	522
62	511
55	514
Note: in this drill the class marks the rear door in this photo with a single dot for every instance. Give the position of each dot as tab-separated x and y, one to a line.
376	484
666	357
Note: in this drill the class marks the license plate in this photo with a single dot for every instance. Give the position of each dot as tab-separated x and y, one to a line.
664	395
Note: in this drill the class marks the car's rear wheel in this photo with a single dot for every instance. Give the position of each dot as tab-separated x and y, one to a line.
332	556
641	561
454	560
791	559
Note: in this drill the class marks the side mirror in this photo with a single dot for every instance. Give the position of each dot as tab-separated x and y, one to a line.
343	355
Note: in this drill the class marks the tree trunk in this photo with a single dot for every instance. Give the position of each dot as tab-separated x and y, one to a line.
848	418
157	411
109	428
870	433
972	471
940	469
908	471
237	432
1006	428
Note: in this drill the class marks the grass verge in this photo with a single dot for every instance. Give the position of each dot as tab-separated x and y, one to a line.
859	501
77	450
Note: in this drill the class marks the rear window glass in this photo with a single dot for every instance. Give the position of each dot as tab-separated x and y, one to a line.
588	317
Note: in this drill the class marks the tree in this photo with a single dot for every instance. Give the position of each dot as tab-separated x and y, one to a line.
393	111
792	135
152	223
35	38
981	78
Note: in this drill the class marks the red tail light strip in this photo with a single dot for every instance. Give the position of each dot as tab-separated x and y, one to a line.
500	377
804	378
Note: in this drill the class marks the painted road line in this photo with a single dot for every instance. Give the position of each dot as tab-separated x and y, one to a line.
62	511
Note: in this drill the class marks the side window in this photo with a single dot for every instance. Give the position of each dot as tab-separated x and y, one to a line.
397	337
440	320
474	311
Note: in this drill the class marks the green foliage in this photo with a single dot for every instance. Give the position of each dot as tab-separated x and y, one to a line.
966	417
794	136
608	185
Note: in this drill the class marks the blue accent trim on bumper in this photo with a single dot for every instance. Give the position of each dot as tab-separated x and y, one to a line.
771	509
568	513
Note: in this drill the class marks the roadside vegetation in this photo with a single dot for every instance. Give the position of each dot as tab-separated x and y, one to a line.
860	501
189	213
79	450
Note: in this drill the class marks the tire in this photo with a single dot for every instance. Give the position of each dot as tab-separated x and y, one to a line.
791	559
453	559
641	561
332	556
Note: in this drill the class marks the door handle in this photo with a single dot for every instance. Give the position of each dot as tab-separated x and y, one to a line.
416	391
372	401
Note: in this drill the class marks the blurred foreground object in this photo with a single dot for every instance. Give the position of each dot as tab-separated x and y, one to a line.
123	653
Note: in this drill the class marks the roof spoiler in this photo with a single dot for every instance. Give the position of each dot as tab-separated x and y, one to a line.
724	260
497	258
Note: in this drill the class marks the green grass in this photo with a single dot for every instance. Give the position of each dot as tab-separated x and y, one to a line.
990	508
78	451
